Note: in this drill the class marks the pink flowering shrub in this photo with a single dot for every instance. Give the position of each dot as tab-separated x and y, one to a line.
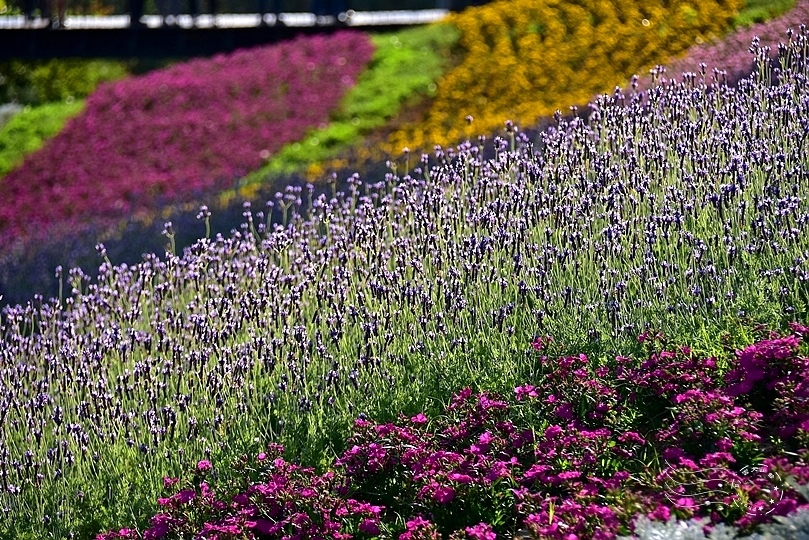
578	453
187	129
271	499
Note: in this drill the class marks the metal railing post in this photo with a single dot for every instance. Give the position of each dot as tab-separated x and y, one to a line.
135	13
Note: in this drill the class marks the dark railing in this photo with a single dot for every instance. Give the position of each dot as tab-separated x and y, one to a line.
179	28
55	11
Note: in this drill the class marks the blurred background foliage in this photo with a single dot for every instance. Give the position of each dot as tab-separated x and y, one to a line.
27	131
758	11
48	81
414	58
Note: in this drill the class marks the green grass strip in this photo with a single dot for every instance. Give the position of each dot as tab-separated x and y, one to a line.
405	67
28	130
758	11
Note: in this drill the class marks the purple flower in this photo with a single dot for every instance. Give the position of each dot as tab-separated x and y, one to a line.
204	465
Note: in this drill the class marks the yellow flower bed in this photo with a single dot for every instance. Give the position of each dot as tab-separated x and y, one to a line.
525	59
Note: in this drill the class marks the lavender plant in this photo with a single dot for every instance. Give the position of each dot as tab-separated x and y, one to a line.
679	210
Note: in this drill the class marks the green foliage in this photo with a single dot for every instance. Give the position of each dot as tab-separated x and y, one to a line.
8	111
35	83
27	131
405	68
757	11
53	92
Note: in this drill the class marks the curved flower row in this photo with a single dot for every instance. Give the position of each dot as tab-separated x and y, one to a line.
526	59
565	457
187	129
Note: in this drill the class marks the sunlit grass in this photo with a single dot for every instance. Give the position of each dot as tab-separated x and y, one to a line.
404	71
757	11
29	129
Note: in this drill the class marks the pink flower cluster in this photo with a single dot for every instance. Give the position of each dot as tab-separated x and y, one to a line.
279	499
552	460
187	129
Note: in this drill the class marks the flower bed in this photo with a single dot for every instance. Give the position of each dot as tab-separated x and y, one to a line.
683	214
183	130
526	59
578	452
414	58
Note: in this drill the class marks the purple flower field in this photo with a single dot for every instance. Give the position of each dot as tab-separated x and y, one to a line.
677	214
191	129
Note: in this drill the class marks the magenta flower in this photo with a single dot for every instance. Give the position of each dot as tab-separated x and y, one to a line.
551	432
481	531
419	528
661	513
755	360
460	478
443	494
537	471
800	329
632	437
686	503
420	418
525	391
499	469
565	411
204	465
159	527
185	496
369	526
540	343
673	453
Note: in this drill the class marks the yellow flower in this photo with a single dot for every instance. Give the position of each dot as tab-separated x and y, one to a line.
525	59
